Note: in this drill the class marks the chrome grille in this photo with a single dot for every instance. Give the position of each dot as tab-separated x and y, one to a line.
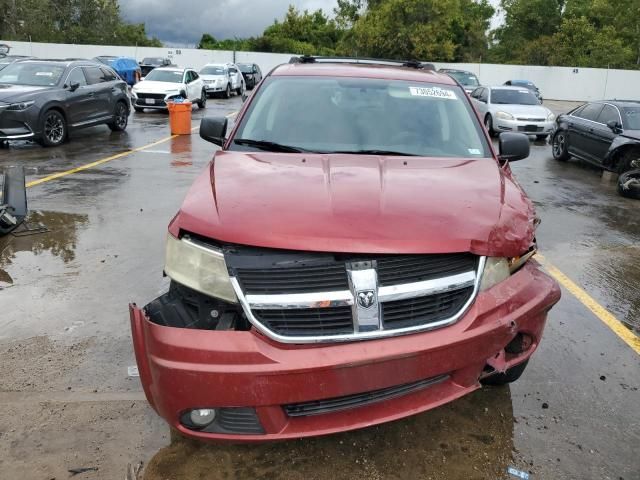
307	297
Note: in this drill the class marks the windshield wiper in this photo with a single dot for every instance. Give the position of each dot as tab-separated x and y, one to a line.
268	146
376	152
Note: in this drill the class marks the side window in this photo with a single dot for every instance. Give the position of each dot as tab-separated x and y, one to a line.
108	75
194	76
591	111
76	76
484	95
187	77
94	75
609	114
476	93
255	69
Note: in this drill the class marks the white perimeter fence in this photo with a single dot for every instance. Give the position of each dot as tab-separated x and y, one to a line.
557	83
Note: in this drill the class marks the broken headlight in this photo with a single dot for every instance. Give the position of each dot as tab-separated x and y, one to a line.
199	267
497	269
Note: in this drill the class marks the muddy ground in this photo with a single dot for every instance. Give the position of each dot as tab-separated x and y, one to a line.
68	401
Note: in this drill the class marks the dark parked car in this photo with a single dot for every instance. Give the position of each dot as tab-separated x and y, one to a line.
468	80
251	73
526	84
45	99
149	63
606	134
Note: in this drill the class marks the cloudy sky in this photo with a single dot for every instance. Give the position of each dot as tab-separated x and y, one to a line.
183	22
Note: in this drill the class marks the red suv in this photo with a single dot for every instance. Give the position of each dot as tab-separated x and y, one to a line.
355	253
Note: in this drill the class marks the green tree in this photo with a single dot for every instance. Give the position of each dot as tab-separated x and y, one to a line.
434	30
70	21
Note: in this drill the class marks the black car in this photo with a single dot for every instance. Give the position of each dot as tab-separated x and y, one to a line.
605	133
526	84
251	73
45	99
149	63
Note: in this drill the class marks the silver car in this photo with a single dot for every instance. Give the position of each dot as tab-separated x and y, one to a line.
513	109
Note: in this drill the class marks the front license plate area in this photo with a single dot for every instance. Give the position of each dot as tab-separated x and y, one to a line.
150	101
530	128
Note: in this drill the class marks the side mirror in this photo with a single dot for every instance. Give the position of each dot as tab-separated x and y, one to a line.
513	146
183	93
74	86
214	129
615	126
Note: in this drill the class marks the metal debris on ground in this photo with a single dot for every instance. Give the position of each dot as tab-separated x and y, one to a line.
78	471
517	473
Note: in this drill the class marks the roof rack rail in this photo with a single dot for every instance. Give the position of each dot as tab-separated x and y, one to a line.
364	60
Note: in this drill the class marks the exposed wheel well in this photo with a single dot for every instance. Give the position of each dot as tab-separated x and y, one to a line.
620	153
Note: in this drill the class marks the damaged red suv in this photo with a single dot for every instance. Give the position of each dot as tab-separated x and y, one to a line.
355	253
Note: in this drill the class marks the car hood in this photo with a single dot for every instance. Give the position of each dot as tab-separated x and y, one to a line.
12	93
359	204
149	86
537	111
633	134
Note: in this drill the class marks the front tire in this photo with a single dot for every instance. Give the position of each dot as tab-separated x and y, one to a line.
240	89
488	124
227	92
559	146
629	184
121	118
202	103
510	376
54	129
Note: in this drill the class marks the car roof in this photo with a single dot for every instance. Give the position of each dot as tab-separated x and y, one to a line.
521	81
62	62
356	70
621	103
505	87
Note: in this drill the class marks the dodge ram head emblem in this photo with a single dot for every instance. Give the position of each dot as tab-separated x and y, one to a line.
366	298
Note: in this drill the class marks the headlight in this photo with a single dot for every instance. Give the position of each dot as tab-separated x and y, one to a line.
17	107
551	117
134	94
497	269
504	116
199	267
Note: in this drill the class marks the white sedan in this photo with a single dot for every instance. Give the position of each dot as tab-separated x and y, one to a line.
167	83
513	109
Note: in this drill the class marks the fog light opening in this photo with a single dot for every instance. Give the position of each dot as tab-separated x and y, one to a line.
202	417
520	344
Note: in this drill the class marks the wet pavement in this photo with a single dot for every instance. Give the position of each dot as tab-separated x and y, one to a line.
65	346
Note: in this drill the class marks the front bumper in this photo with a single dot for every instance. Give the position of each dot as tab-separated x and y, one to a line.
523	126
181	369
16	125
211	88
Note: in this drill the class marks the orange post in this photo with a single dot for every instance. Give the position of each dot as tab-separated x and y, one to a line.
180	118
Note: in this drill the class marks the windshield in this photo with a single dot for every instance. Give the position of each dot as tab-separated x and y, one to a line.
520	83
212	70
345	115
245	68
504	96
33	74
466	79
631	118
172	76
152	61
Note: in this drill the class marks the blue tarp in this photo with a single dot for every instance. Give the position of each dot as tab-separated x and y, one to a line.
126	68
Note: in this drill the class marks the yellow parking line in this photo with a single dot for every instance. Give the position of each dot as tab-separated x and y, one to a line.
87	166
626	335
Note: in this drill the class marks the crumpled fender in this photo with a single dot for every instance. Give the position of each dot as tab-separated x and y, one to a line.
619	143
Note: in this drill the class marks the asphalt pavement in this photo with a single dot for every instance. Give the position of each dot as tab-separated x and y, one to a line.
100	206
